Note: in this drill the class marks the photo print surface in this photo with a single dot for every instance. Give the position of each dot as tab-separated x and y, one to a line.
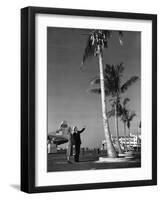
93	99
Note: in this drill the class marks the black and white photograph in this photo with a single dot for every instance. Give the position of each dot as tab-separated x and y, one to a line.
93	99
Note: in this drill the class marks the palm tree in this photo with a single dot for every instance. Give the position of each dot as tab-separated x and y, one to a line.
130	116
96	43
123	114
114	87
115	111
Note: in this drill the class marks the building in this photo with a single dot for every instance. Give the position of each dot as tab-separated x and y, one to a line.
133	141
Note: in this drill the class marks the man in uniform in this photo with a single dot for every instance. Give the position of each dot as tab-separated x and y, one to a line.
77	142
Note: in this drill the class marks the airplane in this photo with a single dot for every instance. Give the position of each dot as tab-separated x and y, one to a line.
59	136
57	139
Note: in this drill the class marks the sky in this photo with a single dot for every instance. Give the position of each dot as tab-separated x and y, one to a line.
68	86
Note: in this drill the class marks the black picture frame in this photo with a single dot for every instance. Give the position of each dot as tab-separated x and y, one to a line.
28	98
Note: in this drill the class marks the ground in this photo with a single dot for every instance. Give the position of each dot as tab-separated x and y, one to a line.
88	161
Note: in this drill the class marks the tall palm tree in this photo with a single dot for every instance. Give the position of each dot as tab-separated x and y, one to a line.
96	43
114	87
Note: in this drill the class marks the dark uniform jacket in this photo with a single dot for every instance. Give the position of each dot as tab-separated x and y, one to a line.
76	136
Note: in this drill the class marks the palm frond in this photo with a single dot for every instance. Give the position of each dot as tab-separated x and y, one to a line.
110	113
124	110
95	90
128	124
120	37
89	50
120	33
95	80
123	118
132	115
119	109
124	114
128	83
98	91
125	101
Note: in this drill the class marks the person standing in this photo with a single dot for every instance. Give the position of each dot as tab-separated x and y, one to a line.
77	142
70	144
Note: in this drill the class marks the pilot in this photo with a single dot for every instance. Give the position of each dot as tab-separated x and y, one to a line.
77	141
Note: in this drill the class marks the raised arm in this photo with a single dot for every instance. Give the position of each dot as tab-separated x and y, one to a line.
81	130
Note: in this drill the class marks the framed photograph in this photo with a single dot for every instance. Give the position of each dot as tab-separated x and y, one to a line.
88	99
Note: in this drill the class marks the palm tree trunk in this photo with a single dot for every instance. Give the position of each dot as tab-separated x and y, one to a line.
129	137
125	136
117	131
110	148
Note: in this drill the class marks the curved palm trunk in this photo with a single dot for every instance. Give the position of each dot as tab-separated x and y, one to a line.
125	136
110	148
117	131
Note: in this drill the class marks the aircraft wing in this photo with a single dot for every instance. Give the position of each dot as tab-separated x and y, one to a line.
57	138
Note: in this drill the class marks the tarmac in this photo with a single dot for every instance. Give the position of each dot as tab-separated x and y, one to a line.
89	161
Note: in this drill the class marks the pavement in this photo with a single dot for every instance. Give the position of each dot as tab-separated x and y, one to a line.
88	161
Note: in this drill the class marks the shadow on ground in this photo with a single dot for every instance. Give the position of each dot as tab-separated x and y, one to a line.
15	186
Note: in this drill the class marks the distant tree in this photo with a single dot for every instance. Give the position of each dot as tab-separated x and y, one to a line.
130	116
114	87
124	115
